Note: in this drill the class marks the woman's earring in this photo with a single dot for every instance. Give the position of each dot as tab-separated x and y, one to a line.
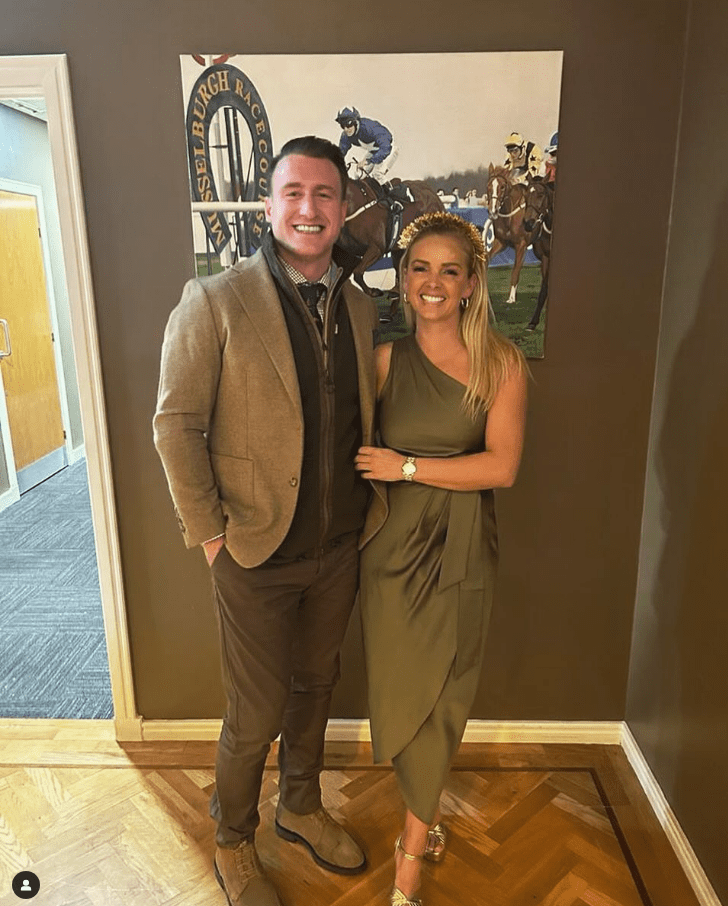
464	303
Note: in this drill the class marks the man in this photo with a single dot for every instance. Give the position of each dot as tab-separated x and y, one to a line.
264	400
523	158
375	150
552	151
373	153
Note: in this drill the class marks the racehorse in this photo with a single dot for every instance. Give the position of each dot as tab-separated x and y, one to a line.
367	221
537	221
506	206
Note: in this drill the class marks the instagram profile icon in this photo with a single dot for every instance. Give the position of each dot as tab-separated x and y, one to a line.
26	885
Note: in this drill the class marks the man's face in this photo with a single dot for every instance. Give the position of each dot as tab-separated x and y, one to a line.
306	212
350	127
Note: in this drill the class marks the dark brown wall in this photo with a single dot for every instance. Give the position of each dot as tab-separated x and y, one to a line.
559	645
678	691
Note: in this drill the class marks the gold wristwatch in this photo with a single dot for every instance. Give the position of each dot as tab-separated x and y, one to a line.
409	468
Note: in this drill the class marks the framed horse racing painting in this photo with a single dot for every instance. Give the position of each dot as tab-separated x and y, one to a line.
471	133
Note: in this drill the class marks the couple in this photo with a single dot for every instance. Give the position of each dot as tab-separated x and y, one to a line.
264	424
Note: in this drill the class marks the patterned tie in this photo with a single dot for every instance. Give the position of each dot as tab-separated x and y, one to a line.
311	294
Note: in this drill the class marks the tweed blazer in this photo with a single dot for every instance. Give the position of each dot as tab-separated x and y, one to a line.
228	425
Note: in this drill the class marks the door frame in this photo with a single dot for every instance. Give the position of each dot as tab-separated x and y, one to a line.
47	76
13	494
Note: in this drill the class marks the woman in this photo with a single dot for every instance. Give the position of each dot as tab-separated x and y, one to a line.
452	411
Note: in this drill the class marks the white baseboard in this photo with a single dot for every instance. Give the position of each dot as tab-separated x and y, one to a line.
33	474
348	731
181	730
536	732
532	732
76	453
131	729
9	497
674	833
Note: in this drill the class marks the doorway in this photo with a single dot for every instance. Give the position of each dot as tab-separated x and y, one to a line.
44	80
34	435
52	651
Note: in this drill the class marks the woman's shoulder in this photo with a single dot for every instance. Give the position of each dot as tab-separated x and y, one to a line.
385	351
387	354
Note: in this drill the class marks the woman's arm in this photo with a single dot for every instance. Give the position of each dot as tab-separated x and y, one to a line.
382	358
495	467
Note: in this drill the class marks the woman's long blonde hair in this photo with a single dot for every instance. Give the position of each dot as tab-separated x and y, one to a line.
491	356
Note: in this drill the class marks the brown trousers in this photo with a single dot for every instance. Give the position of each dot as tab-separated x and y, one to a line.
281	627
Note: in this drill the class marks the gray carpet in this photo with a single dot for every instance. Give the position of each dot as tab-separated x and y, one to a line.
53	660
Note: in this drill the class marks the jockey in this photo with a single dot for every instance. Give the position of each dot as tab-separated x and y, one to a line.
551	150
524	158
373	142
375	152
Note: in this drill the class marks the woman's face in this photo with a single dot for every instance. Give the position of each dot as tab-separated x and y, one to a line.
436	278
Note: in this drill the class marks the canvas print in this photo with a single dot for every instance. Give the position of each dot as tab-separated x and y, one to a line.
471	133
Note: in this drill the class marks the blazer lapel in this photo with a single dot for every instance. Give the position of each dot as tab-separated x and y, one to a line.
362	329
257	294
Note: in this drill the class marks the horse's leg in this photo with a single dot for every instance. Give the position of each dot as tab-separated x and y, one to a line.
542	293
372	254
360	282
516	272
397	254
497	247
542	296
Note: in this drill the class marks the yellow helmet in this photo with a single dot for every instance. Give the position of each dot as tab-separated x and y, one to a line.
515	138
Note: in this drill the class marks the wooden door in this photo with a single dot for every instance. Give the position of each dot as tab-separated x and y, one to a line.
29	374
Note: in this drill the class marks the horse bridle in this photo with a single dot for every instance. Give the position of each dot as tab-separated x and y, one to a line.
498	212
542	214
363	208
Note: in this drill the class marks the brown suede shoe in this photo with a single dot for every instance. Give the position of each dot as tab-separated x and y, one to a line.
241	876
329	844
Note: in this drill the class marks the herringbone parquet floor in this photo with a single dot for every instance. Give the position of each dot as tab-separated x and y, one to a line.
108	825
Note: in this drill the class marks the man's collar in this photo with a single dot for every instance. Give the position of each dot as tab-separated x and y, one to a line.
297	277
345	255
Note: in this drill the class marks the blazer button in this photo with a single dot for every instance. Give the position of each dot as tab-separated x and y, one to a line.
293	482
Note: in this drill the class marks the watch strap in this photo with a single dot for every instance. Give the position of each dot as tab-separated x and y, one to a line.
409	468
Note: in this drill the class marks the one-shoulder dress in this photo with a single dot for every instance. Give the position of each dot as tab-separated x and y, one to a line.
426	584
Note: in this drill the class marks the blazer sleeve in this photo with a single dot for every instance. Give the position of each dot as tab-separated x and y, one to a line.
189	378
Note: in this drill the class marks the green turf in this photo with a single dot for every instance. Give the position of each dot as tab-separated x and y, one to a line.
201	264
513	319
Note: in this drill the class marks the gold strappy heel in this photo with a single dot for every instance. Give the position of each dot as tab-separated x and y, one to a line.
397	898
436	843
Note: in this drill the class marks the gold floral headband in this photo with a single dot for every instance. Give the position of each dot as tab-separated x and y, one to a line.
442	221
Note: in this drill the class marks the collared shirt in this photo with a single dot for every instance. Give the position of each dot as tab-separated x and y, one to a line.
297	278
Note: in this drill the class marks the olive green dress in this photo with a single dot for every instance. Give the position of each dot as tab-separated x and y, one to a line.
426	585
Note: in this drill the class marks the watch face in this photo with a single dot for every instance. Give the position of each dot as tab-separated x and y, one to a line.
409	469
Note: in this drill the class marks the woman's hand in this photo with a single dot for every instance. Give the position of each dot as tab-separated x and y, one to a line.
379	463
